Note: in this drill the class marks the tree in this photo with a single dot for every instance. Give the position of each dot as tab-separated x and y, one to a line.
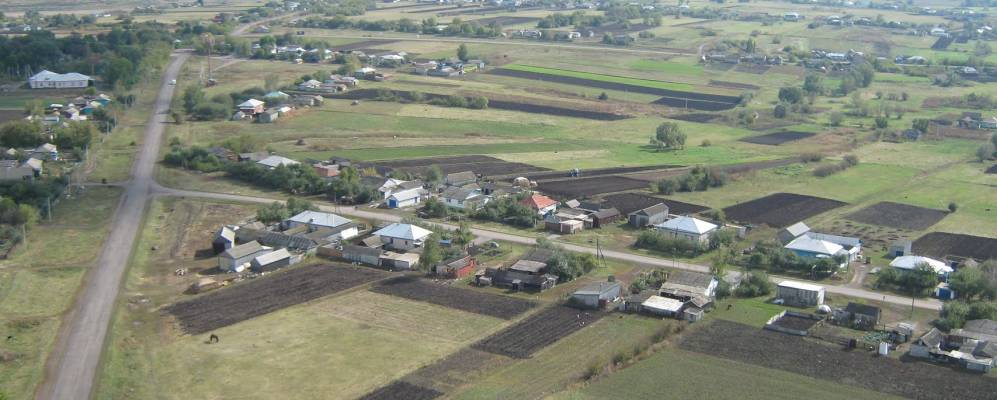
434	208
350	65
271	213
882	122
192	96
954	314
667	186
178	117
463	235
722	260
813	84
985	151
669	135
836	119
953	206
20	133
271	82
432	252
920	279
434	174
779	111
462	52
968	283
920	125
603	96
791	94
296	206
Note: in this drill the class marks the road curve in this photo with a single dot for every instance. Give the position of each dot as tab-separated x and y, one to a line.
931	304
72	366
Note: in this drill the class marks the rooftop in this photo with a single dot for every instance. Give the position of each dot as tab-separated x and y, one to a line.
801	286
319	218
403	231
687	225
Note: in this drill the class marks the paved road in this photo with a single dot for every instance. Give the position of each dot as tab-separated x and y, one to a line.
371	214
72	366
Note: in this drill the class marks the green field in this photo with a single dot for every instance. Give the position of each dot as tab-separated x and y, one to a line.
674	373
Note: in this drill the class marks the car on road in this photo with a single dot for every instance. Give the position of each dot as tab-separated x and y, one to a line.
173	82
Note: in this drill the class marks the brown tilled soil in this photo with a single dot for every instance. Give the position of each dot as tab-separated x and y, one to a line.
777	138
627	203
413	288
267	294
896	215
585	187
941	244
537	331
400	390
780	209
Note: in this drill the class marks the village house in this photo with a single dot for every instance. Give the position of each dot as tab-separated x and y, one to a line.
47	151
910	262
597	295
251	107
403	236
50	80
269	116
11	170
392	185
326	170
332	224
799	239
274	161
690	286
649	216
469	197
813	249
456	268
237	258
541	204
686	228
973	347
362	254
399	261
858	316
406	198
800	294
564	223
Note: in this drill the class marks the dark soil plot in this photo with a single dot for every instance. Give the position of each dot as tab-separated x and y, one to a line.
623	87
485	10
795	323
10	115
734	85
617	29
432	10
942	43
400	390
752	69
777	138
534	108
719	66
482	165
538	331
992	169
506	20
630	202
267	294
914	379
554	175
448	296
366	44
695	117
941	244
780	209
896	215
701	105
455	370
584	187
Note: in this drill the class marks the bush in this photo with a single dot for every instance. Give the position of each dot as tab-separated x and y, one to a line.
779	111
836	119
667	186
657	242
953	207
755	284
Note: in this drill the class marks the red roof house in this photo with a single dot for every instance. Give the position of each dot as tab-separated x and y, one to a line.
542	204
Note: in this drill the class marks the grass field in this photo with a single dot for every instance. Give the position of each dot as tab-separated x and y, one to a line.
38	284
674	373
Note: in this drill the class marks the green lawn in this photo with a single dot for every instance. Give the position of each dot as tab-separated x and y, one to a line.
678	374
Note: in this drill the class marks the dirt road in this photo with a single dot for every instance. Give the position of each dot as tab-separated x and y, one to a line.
486	235
72	366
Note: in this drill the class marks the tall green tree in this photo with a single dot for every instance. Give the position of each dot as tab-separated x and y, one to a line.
462	52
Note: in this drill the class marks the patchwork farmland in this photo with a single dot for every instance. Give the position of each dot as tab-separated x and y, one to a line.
780	209
265	295
897	215
537	331
942	244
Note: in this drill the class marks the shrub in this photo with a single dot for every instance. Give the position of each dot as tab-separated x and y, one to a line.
953	206
655	241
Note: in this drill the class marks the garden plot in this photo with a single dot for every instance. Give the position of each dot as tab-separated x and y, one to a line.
896	215
710	102
695	117
562	110
538	331
448	296
777	138
482	165
941	244
780	209
506	20
553	175
693	104
627	203
734	85
264	295
366	44
917	380
400	390
585	187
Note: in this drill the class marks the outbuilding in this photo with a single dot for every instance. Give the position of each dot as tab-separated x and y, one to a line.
271	261
237	258
596	295
662	306
909	263
801	294
335	225
652	215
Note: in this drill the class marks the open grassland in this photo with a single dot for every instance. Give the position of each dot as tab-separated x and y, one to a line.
39	281
675	373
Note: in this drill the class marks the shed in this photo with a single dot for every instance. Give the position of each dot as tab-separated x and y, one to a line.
461	178
793	231
224	239
863	316
457	268
271	261
237	258
605	216
597	295
652	215
801	294
362	255
662	306
399	261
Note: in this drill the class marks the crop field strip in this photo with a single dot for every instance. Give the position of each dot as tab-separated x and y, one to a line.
588	173
897	215
417	289
366	44
780	209
673	94
585	187
480	164
400	390
506	20
508	105
264	295
941	244
778	138
537	331
627	203
695	117
795	354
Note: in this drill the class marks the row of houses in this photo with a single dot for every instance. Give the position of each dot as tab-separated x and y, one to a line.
973	347
281	104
